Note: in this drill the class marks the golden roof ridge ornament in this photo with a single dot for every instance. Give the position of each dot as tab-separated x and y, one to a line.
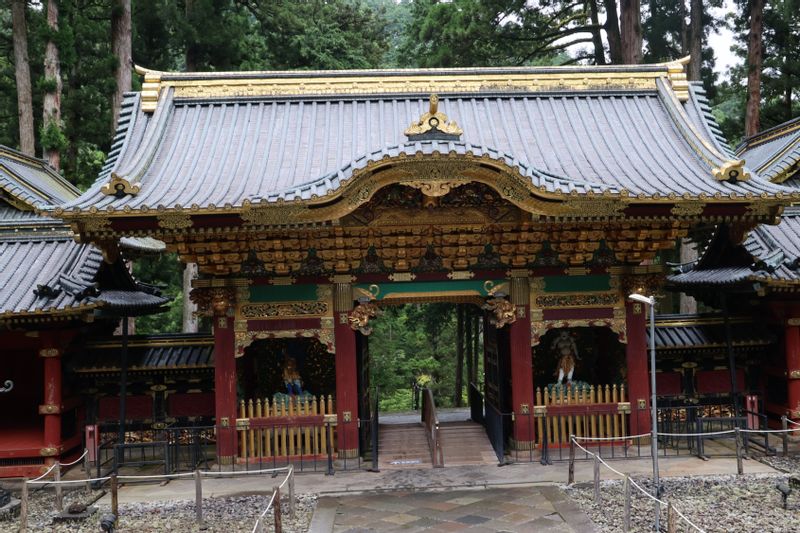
119	186
151	87
676	73
433	125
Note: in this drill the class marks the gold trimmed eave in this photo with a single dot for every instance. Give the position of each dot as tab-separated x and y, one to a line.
436	174
405	81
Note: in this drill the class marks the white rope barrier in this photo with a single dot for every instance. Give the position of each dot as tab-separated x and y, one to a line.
159	476
58	463
769	430
68	482
627	437
289	473
705	434
85	451
43	475
264	513
655	499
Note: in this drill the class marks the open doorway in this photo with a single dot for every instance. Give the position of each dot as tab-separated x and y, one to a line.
423	345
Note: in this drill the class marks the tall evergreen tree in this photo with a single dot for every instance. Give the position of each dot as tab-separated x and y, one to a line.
121	45
53	140
22	70
752	119
631	31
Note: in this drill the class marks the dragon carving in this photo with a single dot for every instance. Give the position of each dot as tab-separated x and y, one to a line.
360	316
503	312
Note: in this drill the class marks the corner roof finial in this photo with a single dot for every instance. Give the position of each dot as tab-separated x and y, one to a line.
434	125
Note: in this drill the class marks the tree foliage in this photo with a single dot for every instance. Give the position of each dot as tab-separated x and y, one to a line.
414	343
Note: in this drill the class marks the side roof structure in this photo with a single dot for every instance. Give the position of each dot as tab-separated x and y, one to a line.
769	257
44	274
219	143
775	153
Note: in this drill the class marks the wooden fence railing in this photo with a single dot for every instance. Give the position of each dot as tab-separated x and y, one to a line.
594	411
286	429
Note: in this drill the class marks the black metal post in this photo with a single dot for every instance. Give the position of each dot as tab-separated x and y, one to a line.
731	358
123	378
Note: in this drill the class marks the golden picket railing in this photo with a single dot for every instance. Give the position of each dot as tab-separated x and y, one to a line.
599	411
286	429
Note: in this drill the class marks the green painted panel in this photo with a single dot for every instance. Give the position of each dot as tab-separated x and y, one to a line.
283	293
431	287
594	282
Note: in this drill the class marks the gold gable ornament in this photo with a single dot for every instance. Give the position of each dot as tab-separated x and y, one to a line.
119	186
433	125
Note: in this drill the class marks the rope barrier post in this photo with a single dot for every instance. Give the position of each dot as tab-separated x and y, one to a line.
291	491
278	525
785	435
596	479
739	465
114	496
59	489
87	469
23	508
198	497
571	477
672	519
330	450
626	519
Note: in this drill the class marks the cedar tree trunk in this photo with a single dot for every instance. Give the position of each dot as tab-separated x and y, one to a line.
695	39
752	118
22	70
52	98
631	31
612	32
597	39
121	47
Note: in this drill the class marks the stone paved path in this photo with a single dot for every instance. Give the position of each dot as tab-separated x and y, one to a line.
540	509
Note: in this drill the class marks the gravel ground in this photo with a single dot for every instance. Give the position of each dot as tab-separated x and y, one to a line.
790	464
730	504
229	515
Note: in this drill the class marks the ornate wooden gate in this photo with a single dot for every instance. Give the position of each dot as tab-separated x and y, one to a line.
600	411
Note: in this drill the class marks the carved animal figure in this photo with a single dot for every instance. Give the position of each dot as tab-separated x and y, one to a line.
359	317
503	311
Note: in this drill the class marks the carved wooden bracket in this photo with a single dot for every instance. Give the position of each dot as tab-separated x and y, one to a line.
213	301
503	312
360	316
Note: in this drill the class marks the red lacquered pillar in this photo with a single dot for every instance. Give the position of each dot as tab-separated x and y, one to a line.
346	373
521	365
224	377
51	406
792	348
637	362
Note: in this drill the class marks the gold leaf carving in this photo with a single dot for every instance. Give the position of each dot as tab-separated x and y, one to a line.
688	209
433	120
95	224
732	171
119	186
174	220
283	309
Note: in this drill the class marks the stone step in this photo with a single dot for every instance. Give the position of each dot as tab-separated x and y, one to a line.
403	446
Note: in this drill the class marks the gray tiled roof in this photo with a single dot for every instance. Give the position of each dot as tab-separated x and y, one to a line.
766	240
774	250
213	152
152	352
32	181
677	332
712	276
49	273
774	153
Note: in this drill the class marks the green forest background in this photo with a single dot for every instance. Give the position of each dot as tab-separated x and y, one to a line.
413	341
